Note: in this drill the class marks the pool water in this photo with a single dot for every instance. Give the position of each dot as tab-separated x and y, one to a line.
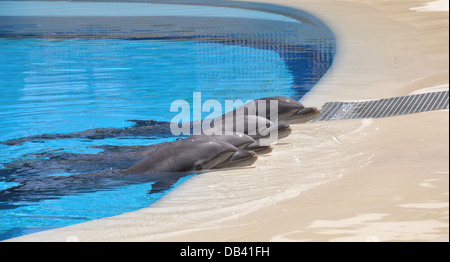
62	86
57	86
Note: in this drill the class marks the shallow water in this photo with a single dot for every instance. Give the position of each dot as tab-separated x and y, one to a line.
212	199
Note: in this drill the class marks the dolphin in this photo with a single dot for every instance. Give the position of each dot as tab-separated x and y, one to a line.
240	140
289	110
190	155
164	167
112	157
251	125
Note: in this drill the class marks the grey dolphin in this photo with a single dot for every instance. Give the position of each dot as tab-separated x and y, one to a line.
164	167
239	140
113	157
190	156
289	110
251	125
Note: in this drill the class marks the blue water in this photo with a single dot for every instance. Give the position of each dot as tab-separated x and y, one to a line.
77	208
62	86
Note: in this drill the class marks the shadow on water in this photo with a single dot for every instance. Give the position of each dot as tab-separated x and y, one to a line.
38	188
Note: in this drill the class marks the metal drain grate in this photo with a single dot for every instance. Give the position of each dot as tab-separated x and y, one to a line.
394	106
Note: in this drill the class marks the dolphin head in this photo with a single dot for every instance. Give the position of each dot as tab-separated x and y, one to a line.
211	153
260	148
304	115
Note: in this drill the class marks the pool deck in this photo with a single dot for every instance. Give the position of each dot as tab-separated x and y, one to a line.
394	188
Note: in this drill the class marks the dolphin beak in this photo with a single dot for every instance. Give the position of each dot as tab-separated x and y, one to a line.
256	147
307	111
241	158
303	115
243	155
